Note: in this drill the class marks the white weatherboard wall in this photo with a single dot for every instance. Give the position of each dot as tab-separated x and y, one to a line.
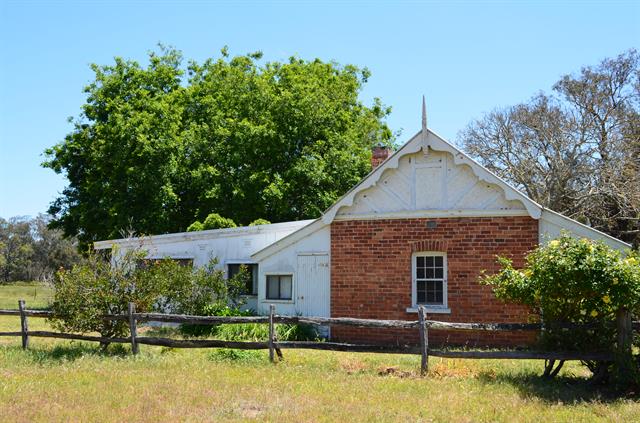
295	259
234	245
552	224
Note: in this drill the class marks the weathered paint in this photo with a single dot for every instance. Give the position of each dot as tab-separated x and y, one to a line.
286	261
234	245
427	178
434	184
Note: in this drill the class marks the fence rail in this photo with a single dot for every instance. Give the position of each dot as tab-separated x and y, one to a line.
274	346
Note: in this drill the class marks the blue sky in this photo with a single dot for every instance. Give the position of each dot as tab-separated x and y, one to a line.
466	57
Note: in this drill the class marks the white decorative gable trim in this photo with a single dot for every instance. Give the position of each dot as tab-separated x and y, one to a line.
424	142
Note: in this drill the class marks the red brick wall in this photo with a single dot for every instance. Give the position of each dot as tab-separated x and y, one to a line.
371	274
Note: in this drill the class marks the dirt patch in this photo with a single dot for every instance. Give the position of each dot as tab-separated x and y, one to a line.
394	371
250	410
447	370
353	367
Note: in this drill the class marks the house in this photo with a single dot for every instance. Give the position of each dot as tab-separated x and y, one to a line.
232	247
418	230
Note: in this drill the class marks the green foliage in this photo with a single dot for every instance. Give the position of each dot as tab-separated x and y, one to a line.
158	147
258	222
216	309
29	250
213	221
260	332
187	290
94	288
195	226
89	290
247	331
296	332
573	281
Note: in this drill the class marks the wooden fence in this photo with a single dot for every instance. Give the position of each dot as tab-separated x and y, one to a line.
274	346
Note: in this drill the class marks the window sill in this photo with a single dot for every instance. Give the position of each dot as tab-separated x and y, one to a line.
267	301
431	310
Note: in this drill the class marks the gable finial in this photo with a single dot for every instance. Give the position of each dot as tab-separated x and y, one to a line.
424	117
425	143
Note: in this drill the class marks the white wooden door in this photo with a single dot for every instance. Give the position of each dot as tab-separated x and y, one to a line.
313	285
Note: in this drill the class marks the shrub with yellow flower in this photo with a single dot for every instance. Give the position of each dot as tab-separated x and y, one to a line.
577	281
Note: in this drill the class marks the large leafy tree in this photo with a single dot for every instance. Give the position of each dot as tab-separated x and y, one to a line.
575	150
159	147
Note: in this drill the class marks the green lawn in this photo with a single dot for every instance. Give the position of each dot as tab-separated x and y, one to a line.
57	380
35	294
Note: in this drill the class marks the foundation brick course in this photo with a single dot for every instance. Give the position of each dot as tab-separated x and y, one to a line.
371	275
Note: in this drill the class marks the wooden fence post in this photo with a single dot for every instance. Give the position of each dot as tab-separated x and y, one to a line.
24	325
625	337
424	341
132	328
272	310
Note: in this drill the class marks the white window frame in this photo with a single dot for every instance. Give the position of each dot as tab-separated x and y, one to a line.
256	277
293	288
444	307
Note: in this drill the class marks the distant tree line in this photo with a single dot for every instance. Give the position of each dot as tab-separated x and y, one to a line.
575	150
29	250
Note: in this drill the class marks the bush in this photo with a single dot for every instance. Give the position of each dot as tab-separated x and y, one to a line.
259	222
574	281
213	310
195	226
94	288
97	287
188	290
259	332
247	331
213	221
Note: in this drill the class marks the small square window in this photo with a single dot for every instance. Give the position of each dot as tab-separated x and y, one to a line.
279	287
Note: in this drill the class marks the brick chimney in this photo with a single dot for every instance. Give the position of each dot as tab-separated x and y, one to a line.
379	155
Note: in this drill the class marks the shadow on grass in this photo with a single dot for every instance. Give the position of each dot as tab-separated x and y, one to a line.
69	352
564	389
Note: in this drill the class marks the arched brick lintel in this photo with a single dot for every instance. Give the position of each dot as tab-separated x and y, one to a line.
429	245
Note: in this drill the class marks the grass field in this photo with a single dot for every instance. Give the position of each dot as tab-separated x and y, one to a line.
35	294
57	380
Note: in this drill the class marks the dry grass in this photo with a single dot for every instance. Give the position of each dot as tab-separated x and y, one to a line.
72	381
35	294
